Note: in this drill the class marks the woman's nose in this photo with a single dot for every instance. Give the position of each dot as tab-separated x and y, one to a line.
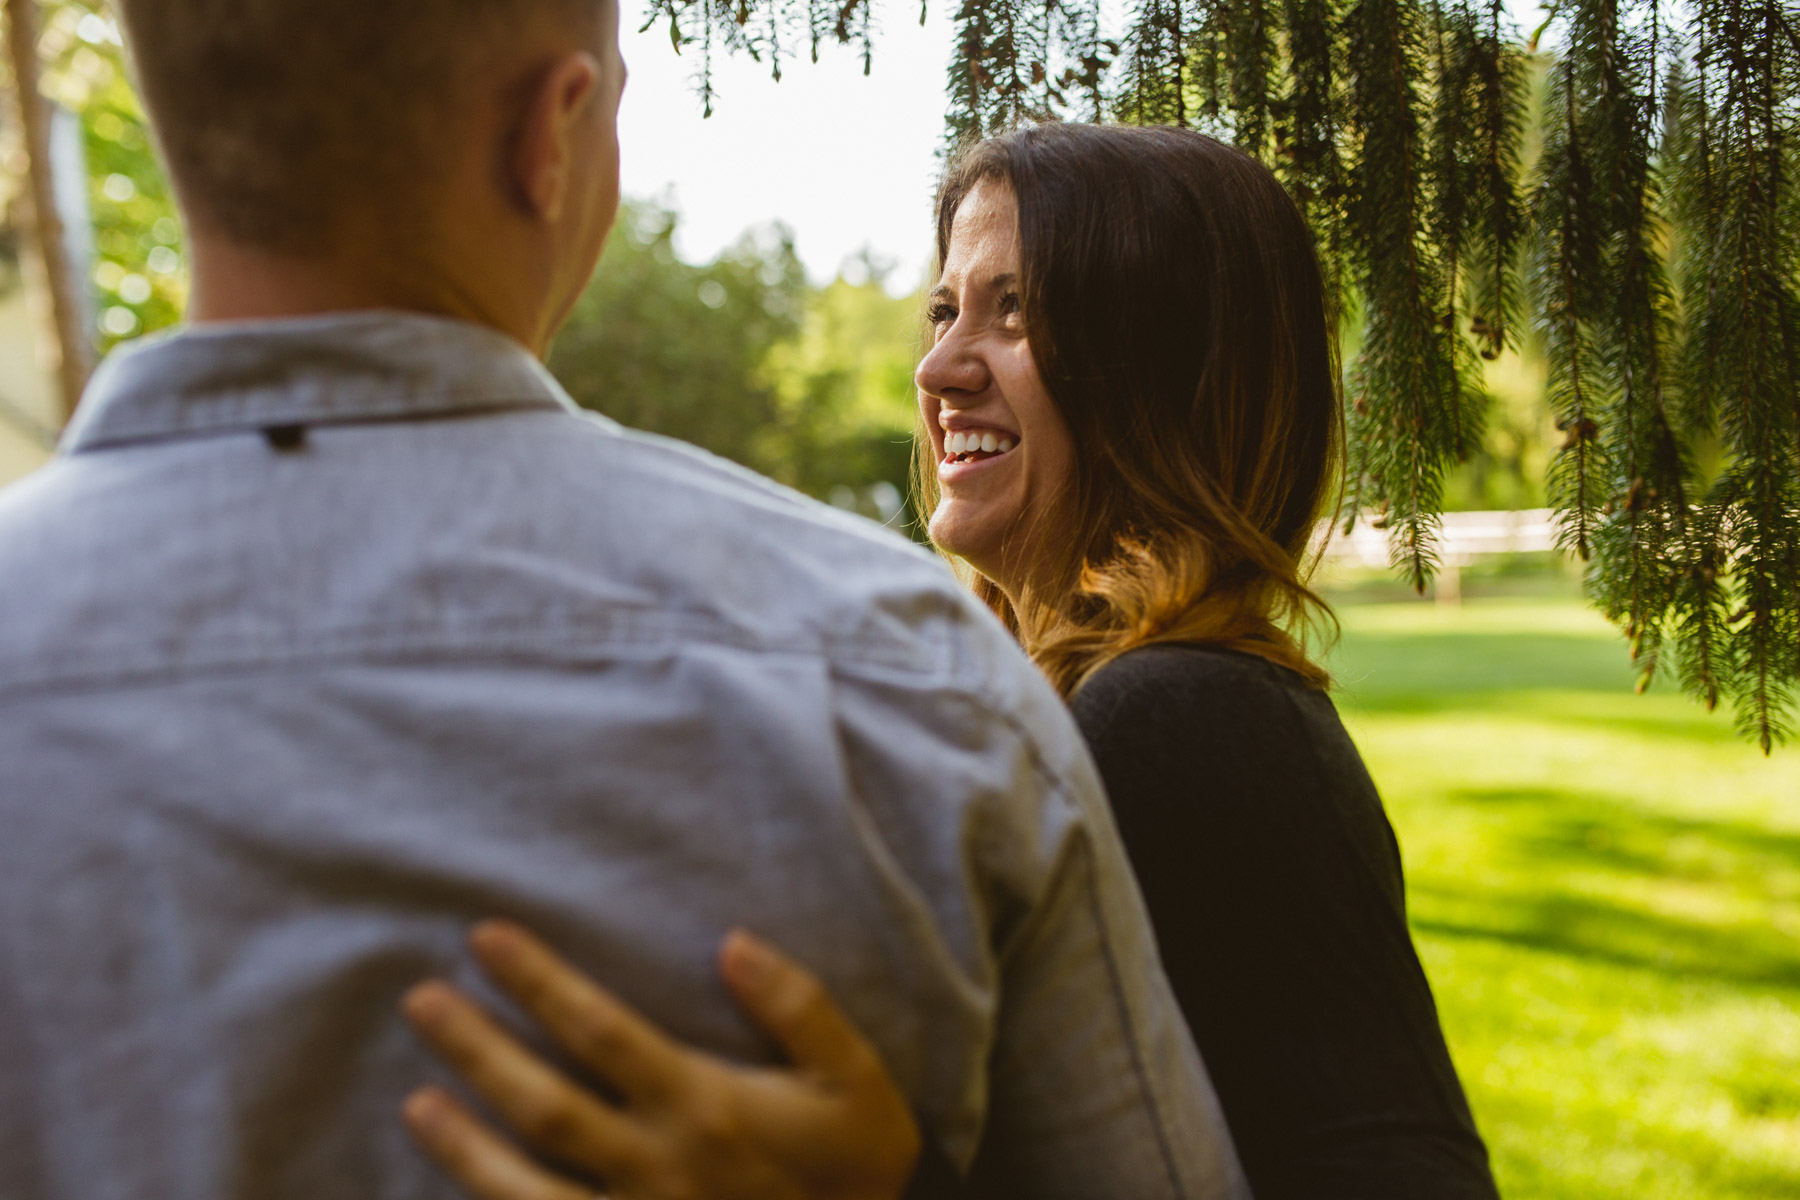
953	370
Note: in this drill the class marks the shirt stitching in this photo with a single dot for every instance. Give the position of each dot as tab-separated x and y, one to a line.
1059	787
564	643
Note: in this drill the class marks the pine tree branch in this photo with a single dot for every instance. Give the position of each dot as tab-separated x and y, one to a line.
1662	258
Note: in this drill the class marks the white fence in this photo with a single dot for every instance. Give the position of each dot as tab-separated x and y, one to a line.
1465	538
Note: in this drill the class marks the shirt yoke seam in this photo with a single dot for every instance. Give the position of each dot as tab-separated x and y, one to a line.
515	643
1115	980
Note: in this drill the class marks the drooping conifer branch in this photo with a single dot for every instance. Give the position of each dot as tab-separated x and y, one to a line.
1155	87
1090	59
1402	377
1455	148
1659	236
970	78
1496	222
1309	158
1250	42
1636	579
1010	98
1698	620
1567	263
1749	317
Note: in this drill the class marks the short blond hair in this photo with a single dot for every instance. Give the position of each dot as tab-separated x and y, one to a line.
279	119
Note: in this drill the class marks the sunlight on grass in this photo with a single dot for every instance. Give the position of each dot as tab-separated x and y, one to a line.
1606	893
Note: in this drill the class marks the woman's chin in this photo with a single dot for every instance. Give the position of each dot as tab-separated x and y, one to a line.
966	536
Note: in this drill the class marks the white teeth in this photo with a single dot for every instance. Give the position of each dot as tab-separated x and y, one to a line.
982	442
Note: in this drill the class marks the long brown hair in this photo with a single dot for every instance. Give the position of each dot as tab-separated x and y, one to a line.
1175	309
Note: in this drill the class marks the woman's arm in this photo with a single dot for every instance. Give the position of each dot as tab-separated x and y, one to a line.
692	1126
1274	883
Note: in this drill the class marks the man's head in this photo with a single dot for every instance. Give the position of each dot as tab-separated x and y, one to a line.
469	143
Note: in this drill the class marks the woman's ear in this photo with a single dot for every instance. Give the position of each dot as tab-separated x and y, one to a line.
551	134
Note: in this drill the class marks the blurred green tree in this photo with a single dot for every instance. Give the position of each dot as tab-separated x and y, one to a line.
811	387
673	348
845	397
139	274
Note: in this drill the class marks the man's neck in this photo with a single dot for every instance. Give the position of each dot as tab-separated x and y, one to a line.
233	282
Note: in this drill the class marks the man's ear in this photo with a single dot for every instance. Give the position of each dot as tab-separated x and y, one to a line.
550	135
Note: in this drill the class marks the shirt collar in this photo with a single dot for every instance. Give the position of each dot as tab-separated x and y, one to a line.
338	367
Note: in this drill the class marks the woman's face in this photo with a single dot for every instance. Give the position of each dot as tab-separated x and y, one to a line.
1005	458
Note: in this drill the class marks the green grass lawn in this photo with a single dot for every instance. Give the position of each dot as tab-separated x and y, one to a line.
1605	889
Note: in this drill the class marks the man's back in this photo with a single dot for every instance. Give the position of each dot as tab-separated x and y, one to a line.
329	637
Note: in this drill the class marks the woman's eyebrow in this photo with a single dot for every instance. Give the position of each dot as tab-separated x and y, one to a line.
943	292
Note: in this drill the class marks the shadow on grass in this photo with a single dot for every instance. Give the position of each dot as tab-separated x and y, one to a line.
1580	680
1612	715
1593	931
1373	665
1571	870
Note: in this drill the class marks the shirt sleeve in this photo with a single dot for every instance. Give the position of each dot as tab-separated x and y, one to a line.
1274	881
1092	1084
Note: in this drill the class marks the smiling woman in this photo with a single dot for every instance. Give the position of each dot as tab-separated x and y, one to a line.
1130	425
1149	296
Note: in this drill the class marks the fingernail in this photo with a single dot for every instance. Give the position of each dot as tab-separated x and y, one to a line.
495	941
747	958
425	1004
424	1109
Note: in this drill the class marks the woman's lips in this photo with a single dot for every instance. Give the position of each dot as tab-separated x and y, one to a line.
967	450
957	467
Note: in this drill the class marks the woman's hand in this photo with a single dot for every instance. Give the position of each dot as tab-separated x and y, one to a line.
692	1127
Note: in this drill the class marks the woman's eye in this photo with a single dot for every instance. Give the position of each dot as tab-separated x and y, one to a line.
1009	304
938	314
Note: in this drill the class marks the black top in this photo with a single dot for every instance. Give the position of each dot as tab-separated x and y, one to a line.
1273	880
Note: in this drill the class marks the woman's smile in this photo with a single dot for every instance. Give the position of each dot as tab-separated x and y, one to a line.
982	399
965	450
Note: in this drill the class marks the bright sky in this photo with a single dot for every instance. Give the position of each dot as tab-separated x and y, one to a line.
847	162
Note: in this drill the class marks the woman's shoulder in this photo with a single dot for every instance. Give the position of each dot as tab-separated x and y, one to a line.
1220	740
1194	691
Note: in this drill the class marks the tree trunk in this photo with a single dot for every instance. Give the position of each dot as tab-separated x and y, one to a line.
72	345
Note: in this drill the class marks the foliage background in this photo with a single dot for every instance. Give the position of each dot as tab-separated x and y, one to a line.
1610	919
1652	248
810	385
1604	889
1615	229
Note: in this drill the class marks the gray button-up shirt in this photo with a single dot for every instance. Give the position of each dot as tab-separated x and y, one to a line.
320	639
